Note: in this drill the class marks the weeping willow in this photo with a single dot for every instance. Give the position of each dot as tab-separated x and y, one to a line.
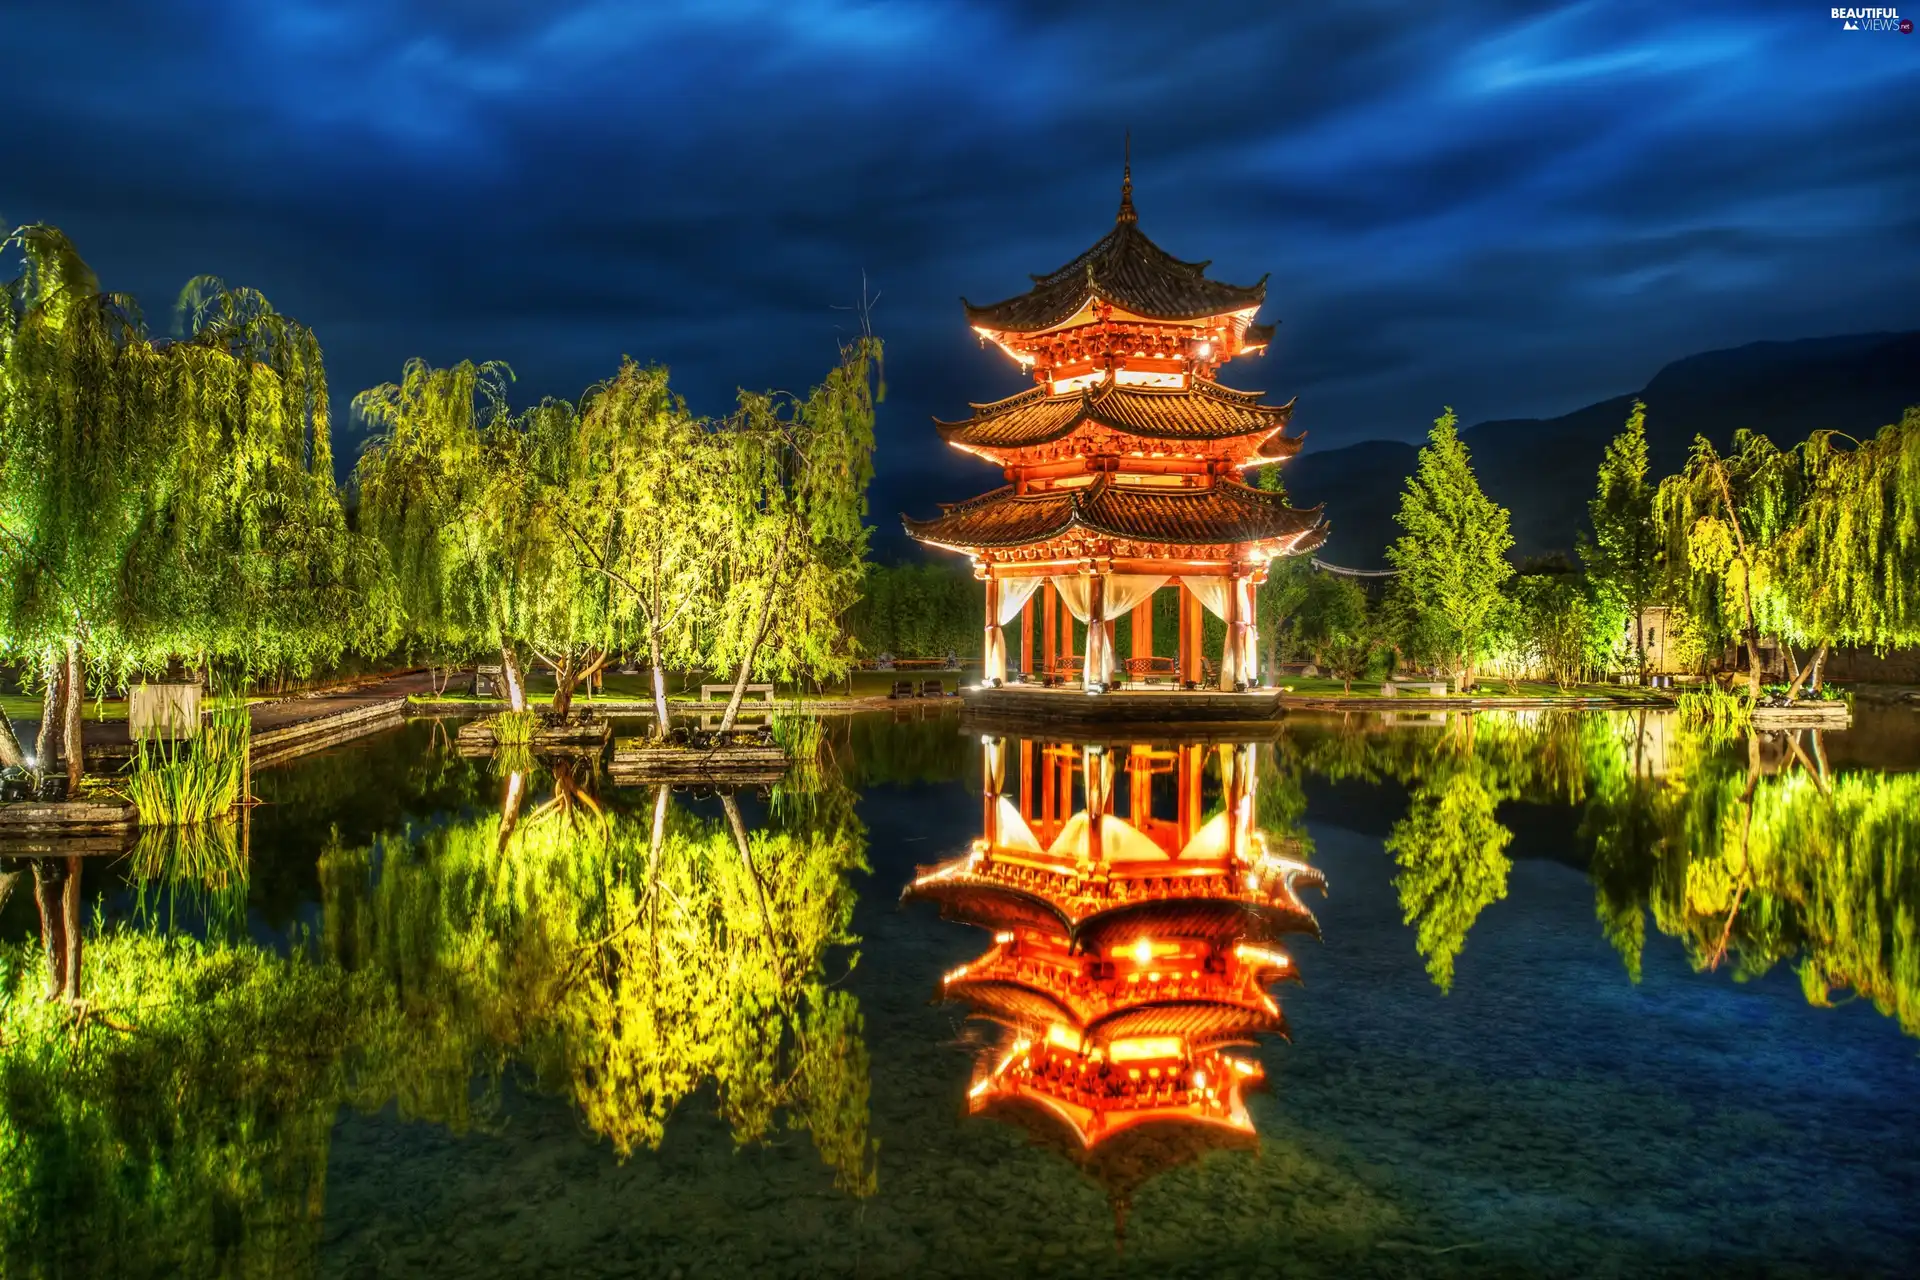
177	1120
1754	871
626	972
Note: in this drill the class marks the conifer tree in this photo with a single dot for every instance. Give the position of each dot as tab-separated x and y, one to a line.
1452	557
1622	560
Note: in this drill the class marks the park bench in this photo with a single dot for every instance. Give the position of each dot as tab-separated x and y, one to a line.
932	689
1431	688
486	681
1143	670
902	689
708	690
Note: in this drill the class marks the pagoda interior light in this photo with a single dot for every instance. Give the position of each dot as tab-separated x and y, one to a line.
1062	1036
1145	1048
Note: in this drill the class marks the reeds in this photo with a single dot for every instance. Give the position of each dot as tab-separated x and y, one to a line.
179	783
1715	708
515	728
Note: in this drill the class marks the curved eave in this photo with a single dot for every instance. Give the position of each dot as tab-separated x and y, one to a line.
1127	270
1242	517
986	903
1129	410
1201	1023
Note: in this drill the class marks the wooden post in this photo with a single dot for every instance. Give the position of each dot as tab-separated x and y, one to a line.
1096	607
1191	622
996	640
1026	637
1230	645
1143	631
1049	629
1049	786
1190	771
1026	779
1140	794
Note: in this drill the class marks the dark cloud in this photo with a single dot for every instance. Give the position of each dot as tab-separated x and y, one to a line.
1508	208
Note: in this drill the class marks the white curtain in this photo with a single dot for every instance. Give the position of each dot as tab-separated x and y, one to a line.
1121	592
1014	593
1238	661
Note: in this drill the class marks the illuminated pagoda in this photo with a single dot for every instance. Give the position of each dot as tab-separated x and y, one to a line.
1125	466
1131	953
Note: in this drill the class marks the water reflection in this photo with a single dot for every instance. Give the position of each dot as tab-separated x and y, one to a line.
205	1037
168	1107
1132	947
1746	848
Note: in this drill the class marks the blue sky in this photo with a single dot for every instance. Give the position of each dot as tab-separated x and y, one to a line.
1512	209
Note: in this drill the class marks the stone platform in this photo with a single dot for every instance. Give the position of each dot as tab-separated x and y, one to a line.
1029	707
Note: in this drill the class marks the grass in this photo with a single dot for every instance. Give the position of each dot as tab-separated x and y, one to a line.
515	728
21	706
179	783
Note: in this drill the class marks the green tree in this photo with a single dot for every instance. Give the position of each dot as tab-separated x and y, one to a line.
799	498
1451	556
1337	627
1721	521
440	488
639	486
164	501
1623	558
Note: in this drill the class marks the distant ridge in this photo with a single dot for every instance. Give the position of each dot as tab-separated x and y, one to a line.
1542	469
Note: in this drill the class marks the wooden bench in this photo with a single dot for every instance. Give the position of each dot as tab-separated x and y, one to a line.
1142	670
932	689
1431	688
902	689
708	690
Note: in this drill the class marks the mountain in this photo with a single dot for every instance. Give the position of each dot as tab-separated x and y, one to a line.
1543	469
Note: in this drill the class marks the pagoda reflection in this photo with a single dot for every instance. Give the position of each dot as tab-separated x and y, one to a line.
1137	913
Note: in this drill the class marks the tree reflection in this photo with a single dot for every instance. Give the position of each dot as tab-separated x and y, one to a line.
171	1113
628	961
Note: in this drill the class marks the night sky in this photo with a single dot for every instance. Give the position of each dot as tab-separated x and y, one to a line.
1511	209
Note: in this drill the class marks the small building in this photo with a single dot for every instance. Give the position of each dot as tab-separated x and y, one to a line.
1125	466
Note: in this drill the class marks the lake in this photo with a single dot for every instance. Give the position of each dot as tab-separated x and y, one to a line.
1524	993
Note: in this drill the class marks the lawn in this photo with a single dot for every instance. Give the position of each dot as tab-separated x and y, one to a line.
20	706
685	687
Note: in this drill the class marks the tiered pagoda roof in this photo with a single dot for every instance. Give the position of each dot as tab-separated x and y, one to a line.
1128	438
1126	270
1203	420
1225	512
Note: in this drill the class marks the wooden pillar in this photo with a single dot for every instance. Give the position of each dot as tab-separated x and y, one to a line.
1229	665
1190	771
1140	793
1191	632
1049	800
1143	628
1026	779
1096	607
1049	630
1026	637
996	639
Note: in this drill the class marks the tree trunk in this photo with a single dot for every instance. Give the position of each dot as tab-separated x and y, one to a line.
1816	681
510	806
759	632
76	698
565	676
1753	664
70	909
52	708
732	807
12	754
49	878
510	673
6	886
661	724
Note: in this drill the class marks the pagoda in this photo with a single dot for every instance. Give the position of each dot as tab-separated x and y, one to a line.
1125	467
1131	954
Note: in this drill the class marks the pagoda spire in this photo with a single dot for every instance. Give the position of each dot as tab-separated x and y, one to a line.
1126	184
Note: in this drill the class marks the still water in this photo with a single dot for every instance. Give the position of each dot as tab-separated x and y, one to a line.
1495	995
